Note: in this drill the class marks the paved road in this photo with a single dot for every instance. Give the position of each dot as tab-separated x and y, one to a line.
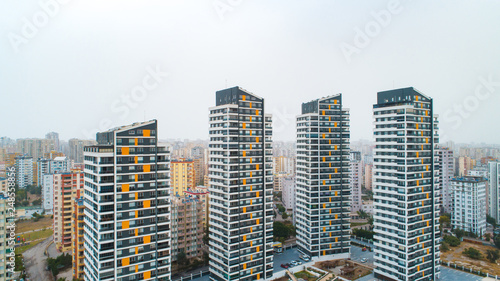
52	251
35	262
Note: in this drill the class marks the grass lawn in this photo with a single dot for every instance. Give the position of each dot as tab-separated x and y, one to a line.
37	235
27	225
306	276
22	249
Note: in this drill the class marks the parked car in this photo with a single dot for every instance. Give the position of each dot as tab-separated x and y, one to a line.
284	265
294	263
363	260
305	258
364	249
298	262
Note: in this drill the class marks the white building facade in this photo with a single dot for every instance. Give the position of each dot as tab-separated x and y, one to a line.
469	204
42	165
446	173
494	190
127	206
405	187
59	164
241	187
323	191
24	171
48	193
288	193
355	180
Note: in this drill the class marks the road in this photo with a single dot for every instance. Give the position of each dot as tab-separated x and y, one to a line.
35	262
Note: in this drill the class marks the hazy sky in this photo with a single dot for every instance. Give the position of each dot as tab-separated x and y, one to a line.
76	67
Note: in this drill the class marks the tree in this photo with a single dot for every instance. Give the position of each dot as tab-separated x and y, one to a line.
473	253
367	234
281	208
18	263
444	247
60	263
487	236
285	216
362	214
496	240
444	220
21	195
459	232
182	258
492	255
34	189
471	234
206	258
37	217
279	195
491	220
281	230
205	236
451	240
370	220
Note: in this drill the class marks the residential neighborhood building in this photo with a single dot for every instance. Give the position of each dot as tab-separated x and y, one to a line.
323	190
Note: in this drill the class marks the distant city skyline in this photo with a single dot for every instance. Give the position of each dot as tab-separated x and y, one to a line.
135	61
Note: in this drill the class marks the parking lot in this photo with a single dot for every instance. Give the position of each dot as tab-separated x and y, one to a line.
447	274
285	257
357	254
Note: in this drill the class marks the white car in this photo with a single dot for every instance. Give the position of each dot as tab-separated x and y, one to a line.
298	262
294	263
363	260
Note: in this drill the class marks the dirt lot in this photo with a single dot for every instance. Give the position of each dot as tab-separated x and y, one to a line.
454	255
27	225
33	197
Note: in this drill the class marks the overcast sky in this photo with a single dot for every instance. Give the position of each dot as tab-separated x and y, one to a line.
78	67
